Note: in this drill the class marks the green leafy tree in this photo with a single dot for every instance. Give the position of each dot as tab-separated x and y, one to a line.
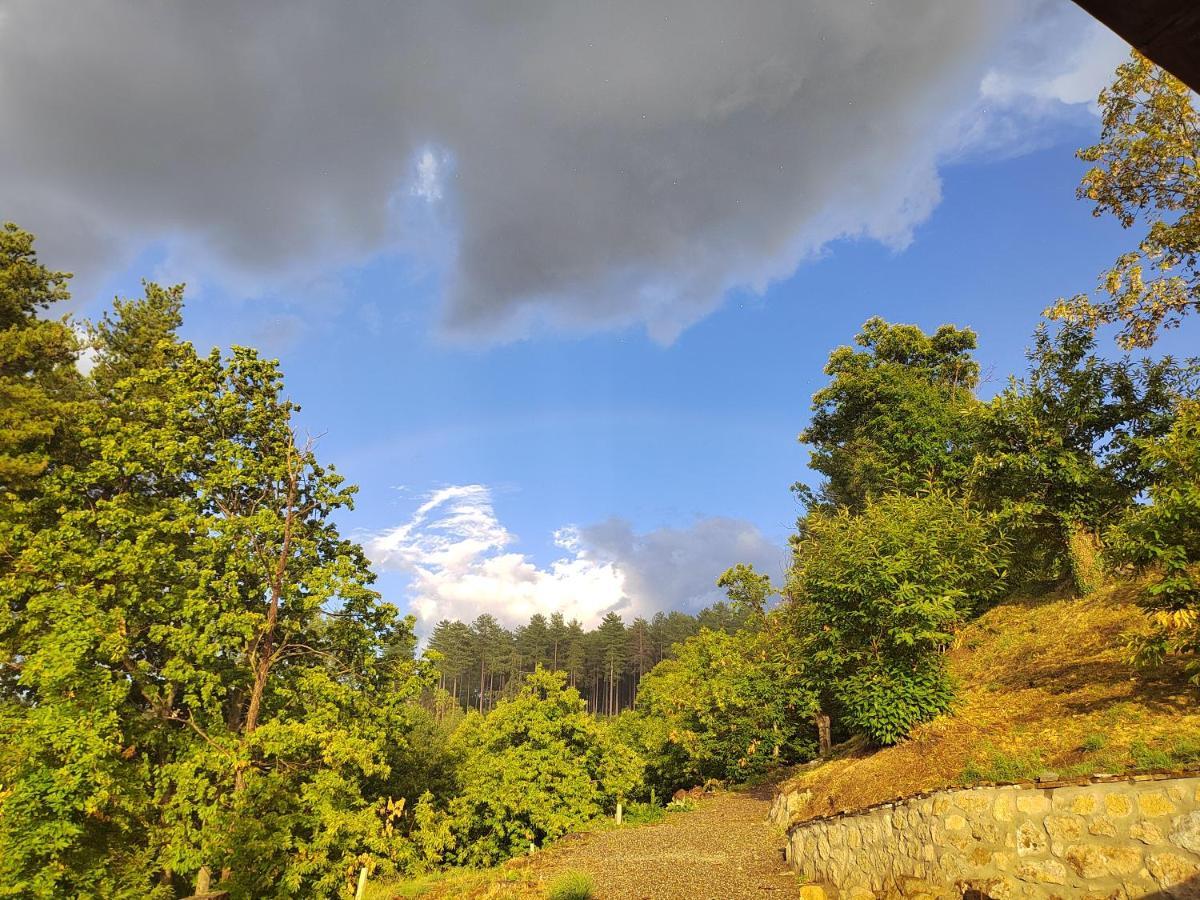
197	657
533	769
874	598
1057	452
893	417
38	380
727	706
1164	538
748	591
1146	173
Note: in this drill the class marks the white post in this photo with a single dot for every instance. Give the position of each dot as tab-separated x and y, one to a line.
362	884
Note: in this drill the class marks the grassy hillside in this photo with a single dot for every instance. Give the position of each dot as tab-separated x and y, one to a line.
1044	686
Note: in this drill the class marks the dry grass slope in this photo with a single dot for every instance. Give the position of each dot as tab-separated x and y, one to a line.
1044	686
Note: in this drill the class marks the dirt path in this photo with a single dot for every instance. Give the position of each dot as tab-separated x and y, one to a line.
723	850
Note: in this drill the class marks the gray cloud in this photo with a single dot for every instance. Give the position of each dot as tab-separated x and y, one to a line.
677	568
601	164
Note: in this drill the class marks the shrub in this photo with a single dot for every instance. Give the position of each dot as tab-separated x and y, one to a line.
537	767
876	596
571	886
726	707
644	813
1164	538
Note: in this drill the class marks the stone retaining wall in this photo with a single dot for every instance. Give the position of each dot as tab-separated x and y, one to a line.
1103	838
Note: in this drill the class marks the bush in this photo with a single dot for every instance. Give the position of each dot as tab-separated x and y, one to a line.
571	886
726	707
1164	538
886	703
876	597
537	767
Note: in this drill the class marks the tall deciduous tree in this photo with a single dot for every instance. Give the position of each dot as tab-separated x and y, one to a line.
197	653
1146	173
1058	449
893	417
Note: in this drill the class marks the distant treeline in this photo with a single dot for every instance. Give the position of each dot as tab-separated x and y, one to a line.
481	663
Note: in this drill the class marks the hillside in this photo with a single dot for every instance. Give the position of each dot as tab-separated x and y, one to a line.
1044	685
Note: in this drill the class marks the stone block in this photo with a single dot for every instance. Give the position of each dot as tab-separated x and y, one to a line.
1172	871
1044	871
1146	832
1087	861
813	892
1030	839
1185	832
1122	860
1033	803
1004	809
1102	826
974	802
1117	805
1155	803
1063	828
956	822
1083	804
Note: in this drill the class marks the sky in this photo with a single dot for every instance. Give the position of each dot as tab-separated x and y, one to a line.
554	282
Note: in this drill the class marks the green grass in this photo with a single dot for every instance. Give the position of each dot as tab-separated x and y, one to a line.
1000	766
644	814
450	883
571	886
685	804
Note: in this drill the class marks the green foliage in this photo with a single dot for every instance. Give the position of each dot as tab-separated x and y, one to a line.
1164	537
571	886
38	380
893	418
1057	450
195	665
887	701
683	804
1145	170
535	768
748	591
1094	742
876	596
641	813
726	707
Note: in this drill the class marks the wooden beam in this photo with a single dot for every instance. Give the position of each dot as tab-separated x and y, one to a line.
1166	31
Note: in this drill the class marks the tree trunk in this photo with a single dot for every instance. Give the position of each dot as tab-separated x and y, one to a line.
824	741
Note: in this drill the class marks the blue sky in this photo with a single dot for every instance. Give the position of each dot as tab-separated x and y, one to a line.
582	457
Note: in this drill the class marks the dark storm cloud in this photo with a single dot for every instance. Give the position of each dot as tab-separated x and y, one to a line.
600	164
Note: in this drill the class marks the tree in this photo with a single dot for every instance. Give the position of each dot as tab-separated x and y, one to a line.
727	706
1164	537
874	598
38	380
748	591
1058	449
532	770
613	653
893	417
1147	171
197	656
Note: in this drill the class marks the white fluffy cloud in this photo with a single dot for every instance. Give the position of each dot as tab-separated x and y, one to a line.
460	562
1050	69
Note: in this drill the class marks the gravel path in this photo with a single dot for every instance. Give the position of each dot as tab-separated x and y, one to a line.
723	850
